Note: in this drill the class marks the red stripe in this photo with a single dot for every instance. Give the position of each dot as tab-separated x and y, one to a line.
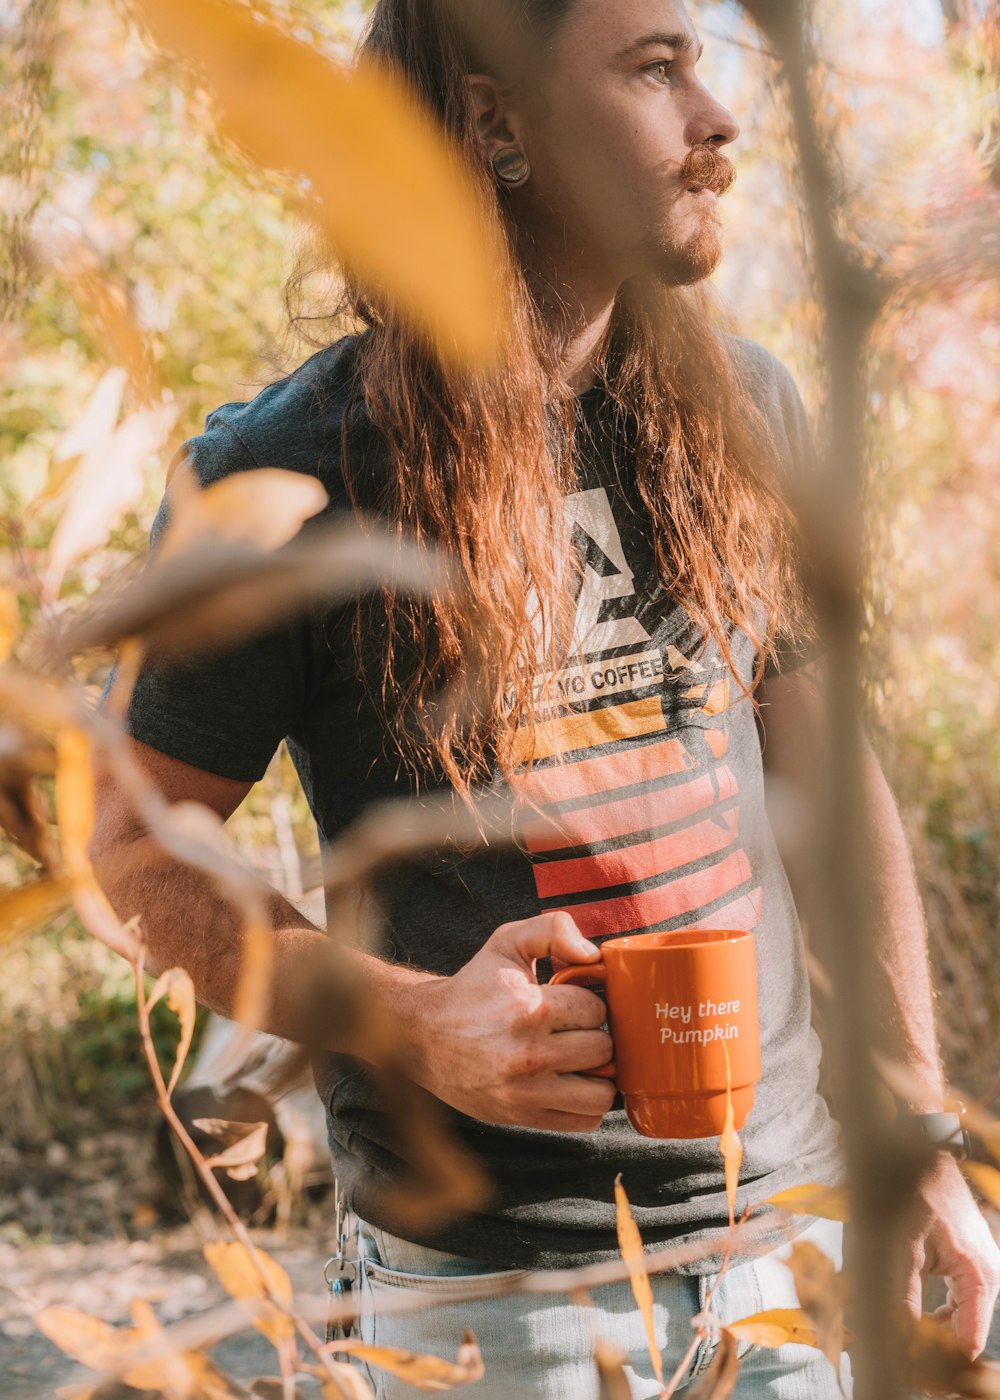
670	901
636	764
612	819
640	862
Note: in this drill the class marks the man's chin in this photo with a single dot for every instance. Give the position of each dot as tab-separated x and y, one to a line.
692	261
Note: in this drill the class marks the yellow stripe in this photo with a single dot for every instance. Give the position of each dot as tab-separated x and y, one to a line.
586	731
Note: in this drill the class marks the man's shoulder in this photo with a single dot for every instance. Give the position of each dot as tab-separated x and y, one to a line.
760	371
769	385
294	423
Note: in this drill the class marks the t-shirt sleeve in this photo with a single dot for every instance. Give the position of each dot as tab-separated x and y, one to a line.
795	449
228	710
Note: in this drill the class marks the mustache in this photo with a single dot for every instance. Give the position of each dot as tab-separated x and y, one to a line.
706	168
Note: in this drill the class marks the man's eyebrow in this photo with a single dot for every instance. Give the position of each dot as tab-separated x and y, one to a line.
681	41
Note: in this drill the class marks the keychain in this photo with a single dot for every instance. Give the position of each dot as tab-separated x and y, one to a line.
340	1272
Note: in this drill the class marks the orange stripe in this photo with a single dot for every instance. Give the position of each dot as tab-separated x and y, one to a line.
670	901
634	765
588	825
586	731
640	862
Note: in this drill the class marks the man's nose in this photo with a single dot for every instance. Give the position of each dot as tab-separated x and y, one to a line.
712	125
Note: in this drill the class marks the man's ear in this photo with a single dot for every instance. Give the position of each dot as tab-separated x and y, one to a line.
497	124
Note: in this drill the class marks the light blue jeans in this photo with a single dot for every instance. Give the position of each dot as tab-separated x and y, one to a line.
539	1347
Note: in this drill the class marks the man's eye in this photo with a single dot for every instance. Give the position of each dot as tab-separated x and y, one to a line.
661	69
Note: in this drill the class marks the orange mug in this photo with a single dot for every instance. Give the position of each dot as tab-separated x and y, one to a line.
678	1003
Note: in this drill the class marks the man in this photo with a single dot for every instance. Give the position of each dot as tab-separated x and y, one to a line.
624	434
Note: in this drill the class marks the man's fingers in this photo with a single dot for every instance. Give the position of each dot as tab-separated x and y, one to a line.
973	1303
573	1093
575	1052
546	935
574	1008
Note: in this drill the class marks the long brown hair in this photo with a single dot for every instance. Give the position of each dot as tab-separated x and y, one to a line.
479	462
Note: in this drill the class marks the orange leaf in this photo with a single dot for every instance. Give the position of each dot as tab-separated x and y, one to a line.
86	1339
31	907
630	1244
108	480
111	325
831	1202
239	1275
179	990
423	1372
75	815
253	991
345	1382
74	799
729	1142
10	621
820	1290
390	192
940	1365
775	1327
240	1159
266	507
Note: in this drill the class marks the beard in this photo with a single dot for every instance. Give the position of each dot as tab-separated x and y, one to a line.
682	261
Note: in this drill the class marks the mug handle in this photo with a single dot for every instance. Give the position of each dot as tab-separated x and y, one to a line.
595	974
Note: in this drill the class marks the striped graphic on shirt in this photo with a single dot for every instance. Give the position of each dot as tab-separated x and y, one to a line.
638	827
644	837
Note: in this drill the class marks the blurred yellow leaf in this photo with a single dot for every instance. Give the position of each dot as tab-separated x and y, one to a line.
831	1202
345	1382
109	320
32	906
630	1244
96	1344
253	991
239	1275
266	507
720	1379
391	194
729	1143
94	426
820	1290
178	988
423	1372
939	1363
107	481
75	816
74	798
775	1327
10	621
986	1180
239	1160
23	815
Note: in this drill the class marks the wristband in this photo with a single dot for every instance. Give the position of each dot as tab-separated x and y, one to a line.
943	1132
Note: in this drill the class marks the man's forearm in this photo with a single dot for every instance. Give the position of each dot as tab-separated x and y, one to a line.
316	983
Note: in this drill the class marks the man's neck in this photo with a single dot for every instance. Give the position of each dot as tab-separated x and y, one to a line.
578	299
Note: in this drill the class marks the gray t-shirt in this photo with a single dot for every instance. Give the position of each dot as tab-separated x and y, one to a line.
661	792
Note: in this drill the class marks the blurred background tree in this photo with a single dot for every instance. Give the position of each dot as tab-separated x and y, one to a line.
107	150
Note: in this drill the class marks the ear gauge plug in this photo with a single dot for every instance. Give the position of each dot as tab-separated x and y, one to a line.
511	167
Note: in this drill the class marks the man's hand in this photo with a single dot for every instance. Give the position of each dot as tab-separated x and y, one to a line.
948	1235
494	1044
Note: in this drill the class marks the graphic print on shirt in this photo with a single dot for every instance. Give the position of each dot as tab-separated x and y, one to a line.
640	825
